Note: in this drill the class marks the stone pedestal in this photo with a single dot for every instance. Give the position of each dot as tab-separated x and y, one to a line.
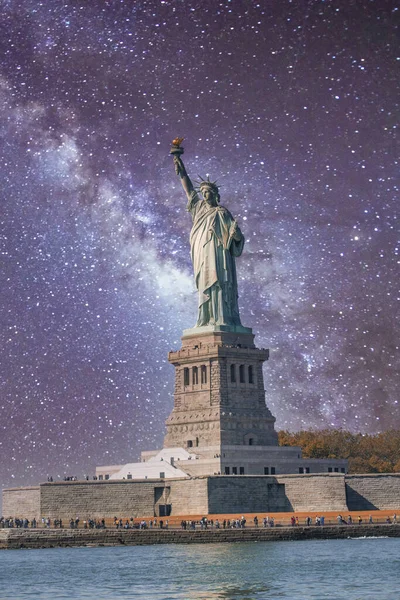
219	397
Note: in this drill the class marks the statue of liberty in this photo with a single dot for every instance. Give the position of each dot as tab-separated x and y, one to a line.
215	242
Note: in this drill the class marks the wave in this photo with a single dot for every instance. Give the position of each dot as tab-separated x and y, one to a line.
369	537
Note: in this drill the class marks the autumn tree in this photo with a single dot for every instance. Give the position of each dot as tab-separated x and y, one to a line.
379	453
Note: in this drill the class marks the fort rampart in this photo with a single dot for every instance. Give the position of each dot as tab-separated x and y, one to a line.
204	495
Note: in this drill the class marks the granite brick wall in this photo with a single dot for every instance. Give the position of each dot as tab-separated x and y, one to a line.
97	499
22	502
315	492
371	492
189	497
232	495
205	495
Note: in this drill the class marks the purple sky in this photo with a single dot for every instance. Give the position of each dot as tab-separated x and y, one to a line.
291	105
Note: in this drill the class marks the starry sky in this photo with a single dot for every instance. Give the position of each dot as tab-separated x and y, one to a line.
291	105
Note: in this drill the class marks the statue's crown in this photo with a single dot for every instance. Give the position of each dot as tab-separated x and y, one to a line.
206	183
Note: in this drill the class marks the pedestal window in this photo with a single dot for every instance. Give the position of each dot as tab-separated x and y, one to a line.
251	376
185	376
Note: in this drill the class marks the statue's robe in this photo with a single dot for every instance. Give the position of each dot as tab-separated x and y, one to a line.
213	251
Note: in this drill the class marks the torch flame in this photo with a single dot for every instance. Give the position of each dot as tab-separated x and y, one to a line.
177	141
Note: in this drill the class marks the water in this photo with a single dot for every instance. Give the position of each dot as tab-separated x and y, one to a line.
354	569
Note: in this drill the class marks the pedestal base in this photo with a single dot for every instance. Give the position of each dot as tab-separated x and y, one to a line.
198	331
219	396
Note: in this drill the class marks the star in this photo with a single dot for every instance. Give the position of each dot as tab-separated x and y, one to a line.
293	109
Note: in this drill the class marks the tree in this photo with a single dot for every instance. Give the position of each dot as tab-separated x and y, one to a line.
379	453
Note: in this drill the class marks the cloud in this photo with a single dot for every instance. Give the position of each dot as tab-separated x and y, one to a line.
141	261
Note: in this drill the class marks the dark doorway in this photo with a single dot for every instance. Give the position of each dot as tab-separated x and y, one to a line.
164	510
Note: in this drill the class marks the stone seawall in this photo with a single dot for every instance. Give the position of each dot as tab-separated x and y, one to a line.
55	538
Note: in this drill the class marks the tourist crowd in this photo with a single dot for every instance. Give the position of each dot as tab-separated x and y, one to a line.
203	523
235	523
73	478
18	523
143	524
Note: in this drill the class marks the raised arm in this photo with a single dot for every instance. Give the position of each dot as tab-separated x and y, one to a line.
184	177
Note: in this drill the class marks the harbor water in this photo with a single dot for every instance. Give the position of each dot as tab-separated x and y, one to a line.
351	569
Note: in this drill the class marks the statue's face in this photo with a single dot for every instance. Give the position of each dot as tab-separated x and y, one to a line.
209	197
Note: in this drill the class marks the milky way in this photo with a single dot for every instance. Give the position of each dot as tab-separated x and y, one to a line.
291	105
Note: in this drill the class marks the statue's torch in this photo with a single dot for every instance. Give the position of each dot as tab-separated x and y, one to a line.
176	149
176	152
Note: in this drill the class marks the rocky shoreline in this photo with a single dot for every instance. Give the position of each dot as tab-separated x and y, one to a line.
13	539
